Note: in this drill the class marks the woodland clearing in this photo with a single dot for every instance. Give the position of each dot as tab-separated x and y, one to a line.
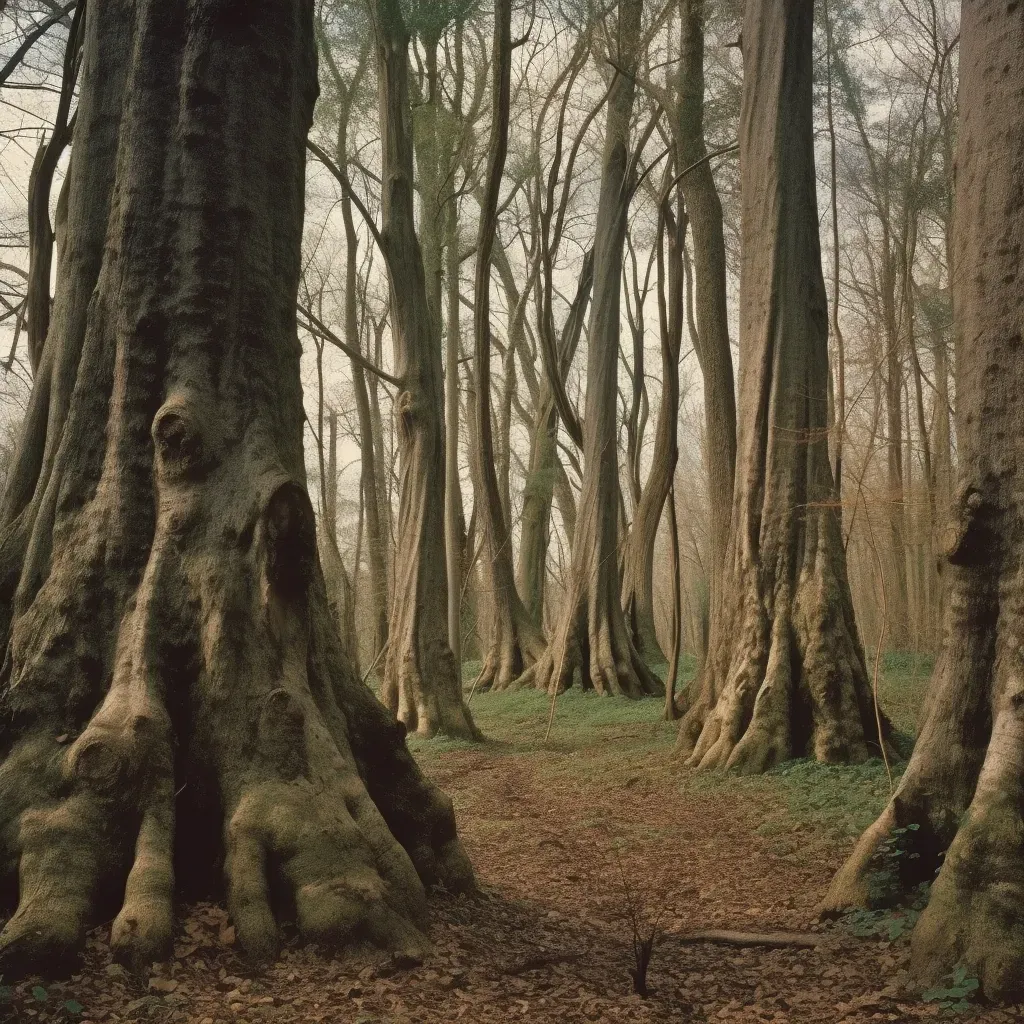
553	829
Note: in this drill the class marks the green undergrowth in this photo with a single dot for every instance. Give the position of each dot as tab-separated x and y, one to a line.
617	741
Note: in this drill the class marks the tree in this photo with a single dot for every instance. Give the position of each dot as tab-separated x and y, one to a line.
422	683
592	634
711	320
515	641
959	801
346	92
175	687
638	557
785	672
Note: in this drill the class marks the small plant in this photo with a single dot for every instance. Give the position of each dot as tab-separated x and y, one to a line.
889	861
645	935
6	992
957	994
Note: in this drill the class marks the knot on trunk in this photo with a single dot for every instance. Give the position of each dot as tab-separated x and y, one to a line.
969	538
405	412
106	758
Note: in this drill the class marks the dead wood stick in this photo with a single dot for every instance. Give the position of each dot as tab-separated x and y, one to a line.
772	939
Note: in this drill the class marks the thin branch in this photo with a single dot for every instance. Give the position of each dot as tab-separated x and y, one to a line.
317	326
36	33
342	179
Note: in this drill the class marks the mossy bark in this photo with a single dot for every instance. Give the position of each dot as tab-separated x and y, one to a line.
785	673
964	785
177	708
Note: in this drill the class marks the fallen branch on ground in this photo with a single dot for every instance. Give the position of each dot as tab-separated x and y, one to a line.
777	939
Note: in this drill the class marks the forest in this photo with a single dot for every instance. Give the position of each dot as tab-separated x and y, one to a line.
509	510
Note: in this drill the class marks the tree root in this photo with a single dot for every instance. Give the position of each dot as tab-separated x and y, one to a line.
325	818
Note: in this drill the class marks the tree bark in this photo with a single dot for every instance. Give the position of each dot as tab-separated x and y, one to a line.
544	465
714	353
175	693
963	787
592	634
515	641
785	672
638	558
422	683
369	463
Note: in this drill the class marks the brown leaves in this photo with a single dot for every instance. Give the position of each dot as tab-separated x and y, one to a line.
547	940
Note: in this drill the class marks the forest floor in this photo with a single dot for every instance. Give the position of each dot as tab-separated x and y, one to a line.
567	835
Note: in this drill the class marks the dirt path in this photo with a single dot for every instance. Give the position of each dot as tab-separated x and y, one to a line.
553	830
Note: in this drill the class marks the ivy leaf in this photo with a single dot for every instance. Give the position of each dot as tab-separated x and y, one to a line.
40	994
6	994
73	1006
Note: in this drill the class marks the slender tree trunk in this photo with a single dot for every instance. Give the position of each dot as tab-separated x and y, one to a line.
40	247
959	803
704	210
785	673
454	540
638	559
592	634
422	683
672	677
175	689
545	467
515	641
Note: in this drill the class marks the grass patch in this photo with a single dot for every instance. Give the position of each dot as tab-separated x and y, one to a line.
618	740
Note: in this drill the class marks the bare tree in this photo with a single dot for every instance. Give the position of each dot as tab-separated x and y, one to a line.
592	634
422	683
785	672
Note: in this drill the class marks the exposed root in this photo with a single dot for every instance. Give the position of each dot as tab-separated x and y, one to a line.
785	678
516	645
608	663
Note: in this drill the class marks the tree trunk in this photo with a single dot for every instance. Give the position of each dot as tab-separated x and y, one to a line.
704	210
638	559
592	634
544	466
171	659
963	787
422	683
515	640
785	673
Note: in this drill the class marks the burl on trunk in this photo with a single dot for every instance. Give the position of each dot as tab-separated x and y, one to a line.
174	693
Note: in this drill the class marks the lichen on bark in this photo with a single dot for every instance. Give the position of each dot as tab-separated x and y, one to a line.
176	706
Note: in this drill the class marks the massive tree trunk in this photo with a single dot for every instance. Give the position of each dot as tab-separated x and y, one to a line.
964	786
422	683
175	694
704	210
785	672
638	560
592	634
515	641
